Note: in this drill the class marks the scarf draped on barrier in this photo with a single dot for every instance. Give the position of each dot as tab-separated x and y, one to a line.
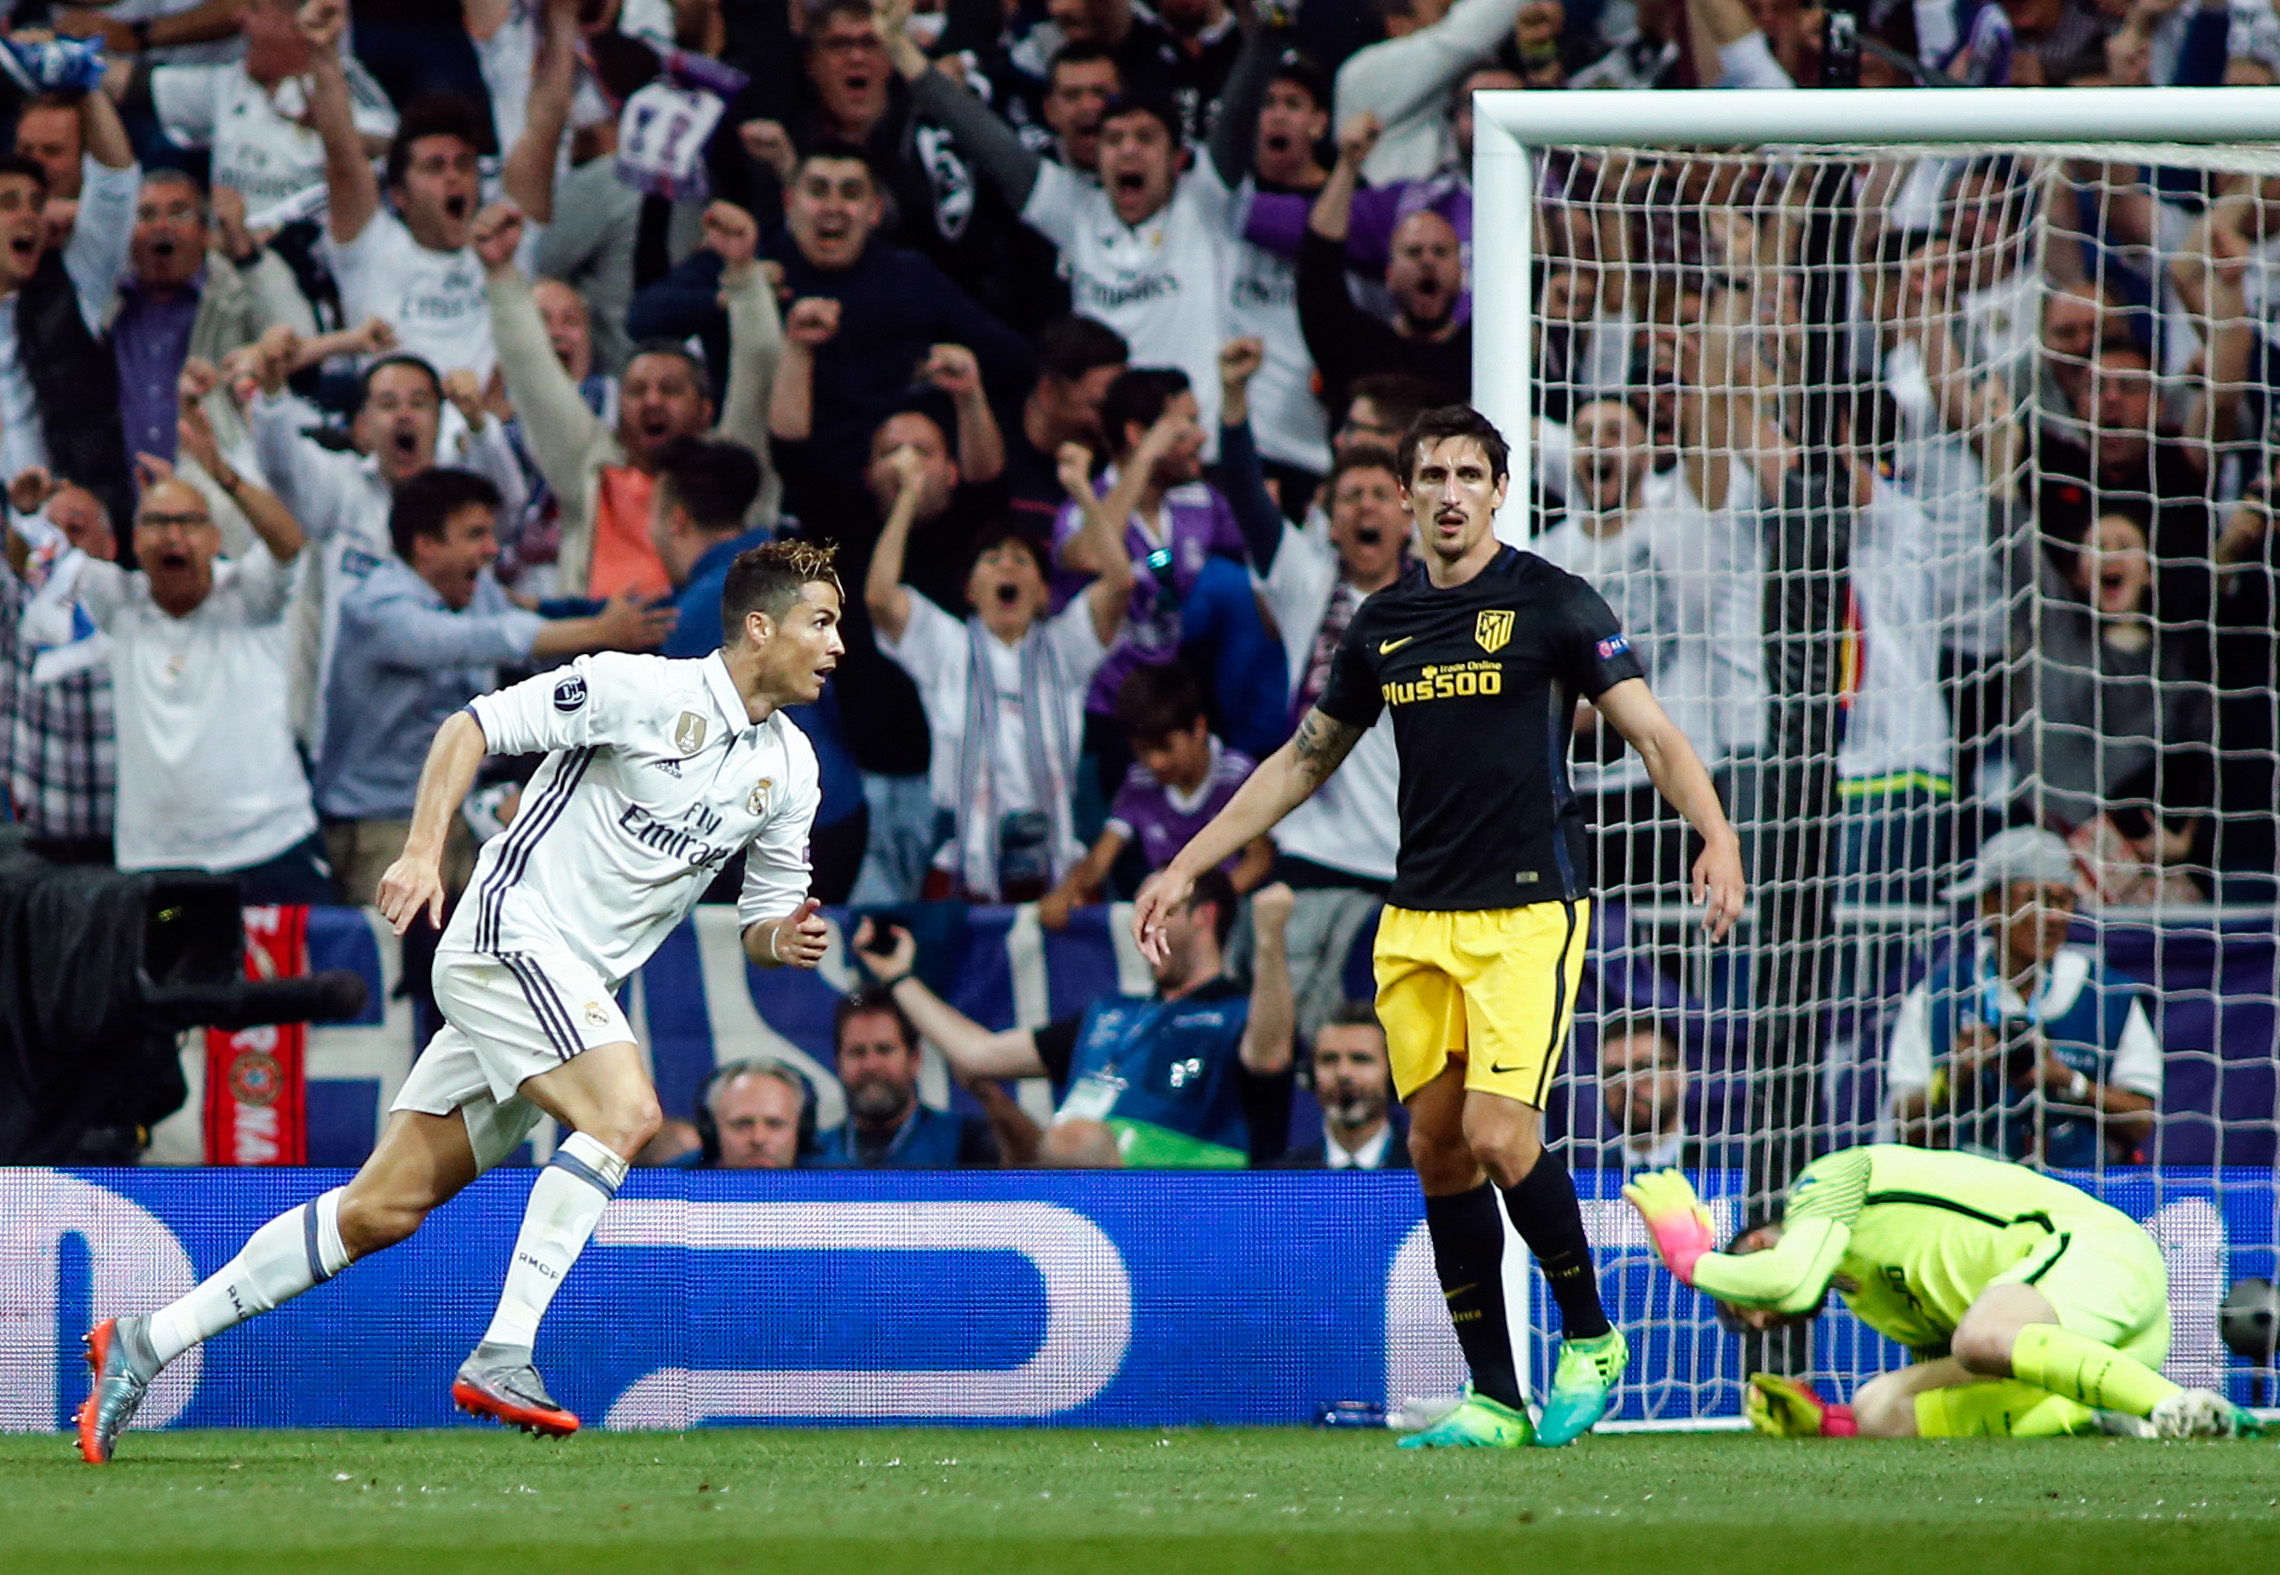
255	1108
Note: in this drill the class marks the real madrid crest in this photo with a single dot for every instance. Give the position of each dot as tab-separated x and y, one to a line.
689	733
757	804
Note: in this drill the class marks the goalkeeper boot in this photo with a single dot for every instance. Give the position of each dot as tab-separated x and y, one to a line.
2196	1413
500	1383
1583	1386
122	1364
1480	1423
1789	1408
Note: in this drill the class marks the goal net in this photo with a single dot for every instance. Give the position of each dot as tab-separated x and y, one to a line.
1928	480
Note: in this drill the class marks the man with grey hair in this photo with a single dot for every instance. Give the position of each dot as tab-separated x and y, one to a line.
2019	1044
755	1114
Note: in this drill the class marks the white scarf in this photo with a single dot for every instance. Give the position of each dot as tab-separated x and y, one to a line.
1047	694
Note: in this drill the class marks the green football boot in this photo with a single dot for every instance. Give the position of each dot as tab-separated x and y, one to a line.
1583	1386
1480	1423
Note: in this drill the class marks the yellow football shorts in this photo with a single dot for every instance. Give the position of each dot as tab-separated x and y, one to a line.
1495	989
2108	1283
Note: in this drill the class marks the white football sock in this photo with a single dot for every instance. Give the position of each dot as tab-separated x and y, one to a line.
298	1249
565	1204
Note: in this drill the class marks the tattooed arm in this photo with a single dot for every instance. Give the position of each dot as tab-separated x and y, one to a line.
1283	781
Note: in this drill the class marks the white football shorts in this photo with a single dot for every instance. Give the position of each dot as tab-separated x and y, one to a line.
506	1018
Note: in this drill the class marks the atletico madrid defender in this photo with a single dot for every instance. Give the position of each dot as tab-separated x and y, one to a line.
1481	652
657	772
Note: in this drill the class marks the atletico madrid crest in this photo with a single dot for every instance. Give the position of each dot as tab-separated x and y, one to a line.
1493	630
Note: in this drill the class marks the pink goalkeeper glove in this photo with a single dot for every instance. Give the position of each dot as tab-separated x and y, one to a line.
1675	1218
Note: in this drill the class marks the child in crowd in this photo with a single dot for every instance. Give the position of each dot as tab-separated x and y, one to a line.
1181	776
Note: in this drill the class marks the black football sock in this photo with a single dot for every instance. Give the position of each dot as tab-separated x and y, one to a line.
1549	1220
1468	1252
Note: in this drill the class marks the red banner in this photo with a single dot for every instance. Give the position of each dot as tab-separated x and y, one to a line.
256	1109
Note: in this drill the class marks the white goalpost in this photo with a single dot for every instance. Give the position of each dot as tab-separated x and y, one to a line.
1921	438
1510	127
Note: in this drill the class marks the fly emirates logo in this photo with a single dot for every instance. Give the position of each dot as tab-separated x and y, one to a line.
685	841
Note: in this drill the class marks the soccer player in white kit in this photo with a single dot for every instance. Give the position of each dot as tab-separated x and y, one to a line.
656	773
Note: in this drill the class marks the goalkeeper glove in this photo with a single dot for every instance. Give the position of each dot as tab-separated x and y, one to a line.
1675	1219
1788	1408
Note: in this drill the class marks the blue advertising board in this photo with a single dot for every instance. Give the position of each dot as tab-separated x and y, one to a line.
1096	1299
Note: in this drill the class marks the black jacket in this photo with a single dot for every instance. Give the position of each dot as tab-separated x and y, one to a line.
1316	1155
77	384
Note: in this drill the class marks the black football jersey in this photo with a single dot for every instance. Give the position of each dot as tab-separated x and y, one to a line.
1482	680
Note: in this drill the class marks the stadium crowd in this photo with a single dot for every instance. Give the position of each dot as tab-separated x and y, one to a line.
356	358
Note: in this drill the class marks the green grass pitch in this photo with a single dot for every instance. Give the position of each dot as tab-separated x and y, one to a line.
912	1502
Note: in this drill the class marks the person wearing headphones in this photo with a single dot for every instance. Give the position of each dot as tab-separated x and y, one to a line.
755	1114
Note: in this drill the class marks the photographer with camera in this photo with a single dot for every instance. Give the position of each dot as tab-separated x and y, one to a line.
2020	1045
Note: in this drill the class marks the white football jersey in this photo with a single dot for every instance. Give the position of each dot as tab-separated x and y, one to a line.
1163	285
654	777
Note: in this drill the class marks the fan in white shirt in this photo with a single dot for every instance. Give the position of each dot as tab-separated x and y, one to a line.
413	268
657	773
1608	538
403	425
1986	207
1957	450
1285	414
1896	760
253	113
1148	249
1004	691
1685	583
208	775
1337	848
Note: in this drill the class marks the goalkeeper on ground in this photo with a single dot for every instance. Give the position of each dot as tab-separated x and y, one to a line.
2032	1308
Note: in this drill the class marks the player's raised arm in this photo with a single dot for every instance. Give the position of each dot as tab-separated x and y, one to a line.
1284	780
415	881
1677	774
